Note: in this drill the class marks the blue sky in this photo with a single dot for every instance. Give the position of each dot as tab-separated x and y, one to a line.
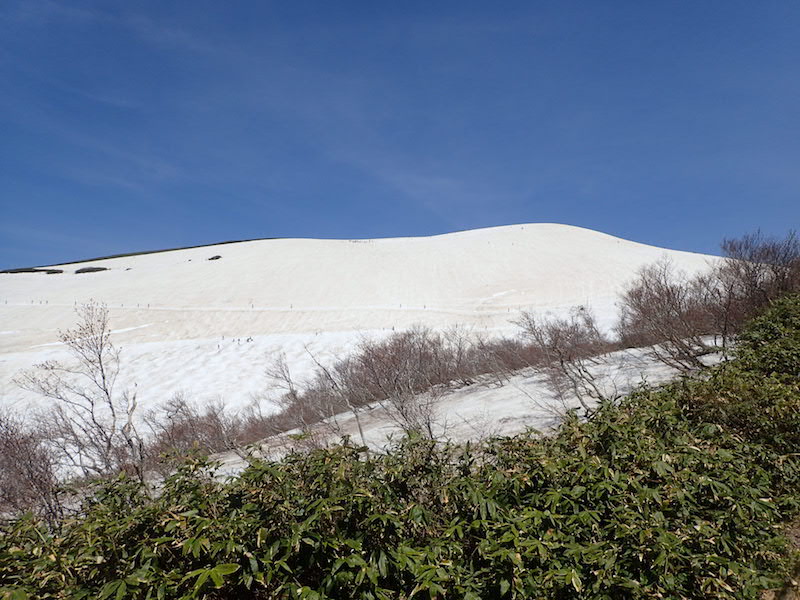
127	126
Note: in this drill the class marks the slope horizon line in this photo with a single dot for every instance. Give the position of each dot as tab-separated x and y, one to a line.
260	239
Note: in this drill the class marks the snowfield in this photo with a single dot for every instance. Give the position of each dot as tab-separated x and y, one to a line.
208	328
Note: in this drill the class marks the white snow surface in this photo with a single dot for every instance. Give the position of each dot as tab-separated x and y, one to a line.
208	328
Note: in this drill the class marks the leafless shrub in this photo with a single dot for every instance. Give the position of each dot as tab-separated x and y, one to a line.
393	372
567	350
460	358
406	374
503	357
180	428
336	390
757	270
255	424
684	318
311	410
671	313
91	425
409	372
28	479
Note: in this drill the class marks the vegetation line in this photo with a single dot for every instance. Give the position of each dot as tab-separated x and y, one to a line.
42	268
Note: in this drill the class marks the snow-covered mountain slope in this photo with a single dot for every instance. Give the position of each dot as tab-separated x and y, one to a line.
209	327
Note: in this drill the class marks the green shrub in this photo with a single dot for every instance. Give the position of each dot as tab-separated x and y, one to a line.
638	503
770	344
757	395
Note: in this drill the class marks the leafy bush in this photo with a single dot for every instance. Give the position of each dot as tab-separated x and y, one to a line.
770	344
638	503
757	396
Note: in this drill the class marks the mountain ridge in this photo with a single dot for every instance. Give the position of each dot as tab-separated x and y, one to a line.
205	326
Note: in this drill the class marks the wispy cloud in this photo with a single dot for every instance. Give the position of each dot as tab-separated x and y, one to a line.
113	163
44	11
148	30
21	235
342	115
58	84
167	36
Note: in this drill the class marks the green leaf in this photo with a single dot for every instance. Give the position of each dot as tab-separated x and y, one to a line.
201	579
575	580
227	568
504	586
216	577
261	536
122	589
109	589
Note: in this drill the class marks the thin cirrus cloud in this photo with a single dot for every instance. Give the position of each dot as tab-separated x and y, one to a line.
343	130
